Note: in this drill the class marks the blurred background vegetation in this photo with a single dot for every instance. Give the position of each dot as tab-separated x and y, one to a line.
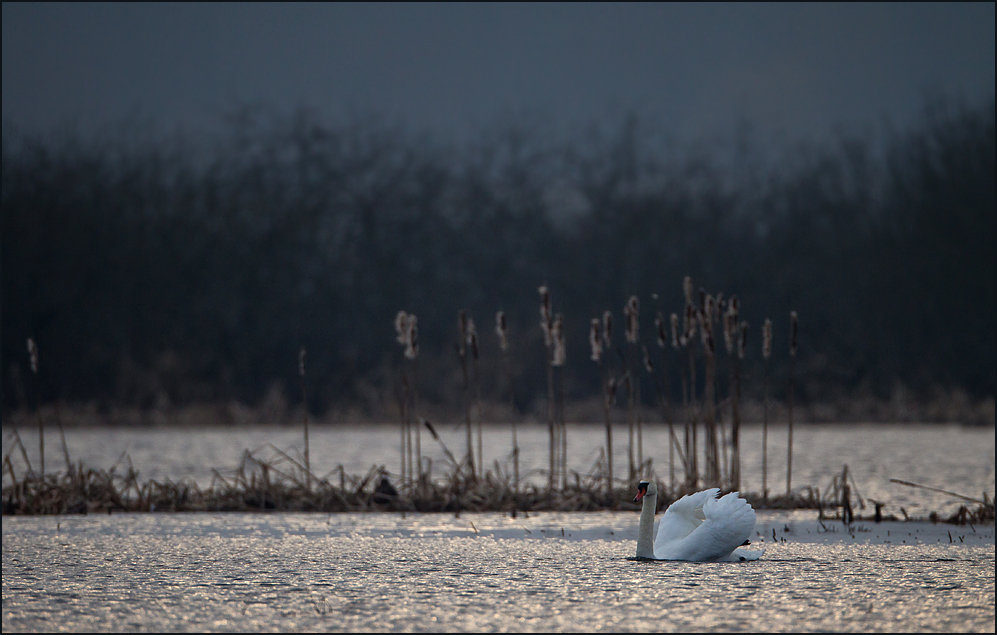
155	271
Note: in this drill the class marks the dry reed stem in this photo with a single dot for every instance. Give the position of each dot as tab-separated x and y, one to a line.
546	326
33	359
304	398
793	328
501	329
766	353
462	354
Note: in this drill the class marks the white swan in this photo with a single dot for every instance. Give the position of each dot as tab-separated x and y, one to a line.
698	527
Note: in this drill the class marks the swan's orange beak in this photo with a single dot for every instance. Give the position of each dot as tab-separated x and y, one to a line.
641	490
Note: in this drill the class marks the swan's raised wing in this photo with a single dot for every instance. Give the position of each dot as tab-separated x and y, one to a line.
727	524
682	518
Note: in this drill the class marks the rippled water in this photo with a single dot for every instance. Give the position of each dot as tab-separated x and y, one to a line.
344	572
550	571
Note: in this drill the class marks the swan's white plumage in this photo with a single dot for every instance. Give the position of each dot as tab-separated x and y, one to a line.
698	527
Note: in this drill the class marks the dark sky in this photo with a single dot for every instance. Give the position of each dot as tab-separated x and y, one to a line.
795	71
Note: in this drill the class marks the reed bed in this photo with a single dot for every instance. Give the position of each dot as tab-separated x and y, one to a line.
269	478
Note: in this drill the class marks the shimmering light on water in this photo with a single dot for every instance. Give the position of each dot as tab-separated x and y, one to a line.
276	572
344	572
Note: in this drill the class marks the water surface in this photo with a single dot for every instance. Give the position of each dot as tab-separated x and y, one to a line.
536	572
427	572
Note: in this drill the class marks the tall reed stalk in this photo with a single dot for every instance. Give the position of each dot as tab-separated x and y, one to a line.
472	345
304	399
414	419
33	359
686	429
601	343
501	329
711	456
766	354
661	330
401	328
557	362
462	334
792	378
742	343
595	344
735	339
672	441
692	474
546	325
674	445
631	311
406	325
403	414
719	312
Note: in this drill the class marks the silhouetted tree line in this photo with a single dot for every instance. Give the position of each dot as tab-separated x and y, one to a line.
158	271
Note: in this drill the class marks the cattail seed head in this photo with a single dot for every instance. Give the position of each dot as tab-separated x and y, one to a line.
689	323
545	314
607	330
659	326
405	324
705	330
675	331
557	335
630	310
412	337
500	330
687	288
793	327
767	339
647	359
301	361
730	326
401	322
742	342
733	306
595	340
461	332
472	338
33	355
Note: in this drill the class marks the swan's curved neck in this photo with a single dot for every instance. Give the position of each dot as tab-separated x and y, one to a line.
645	531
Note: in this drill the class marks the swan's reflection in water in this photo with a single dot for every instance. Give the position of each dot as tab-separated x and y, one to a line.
383	572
